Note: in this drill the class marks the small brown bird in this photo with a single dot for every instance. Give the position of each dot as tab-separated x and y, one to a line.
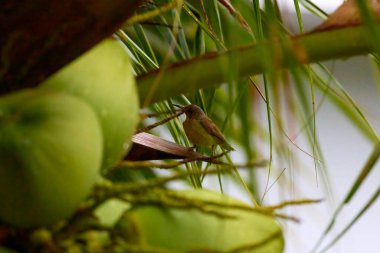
201	130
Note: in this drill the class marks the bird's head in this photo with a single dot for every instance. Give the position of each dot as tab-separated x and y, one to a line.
192	111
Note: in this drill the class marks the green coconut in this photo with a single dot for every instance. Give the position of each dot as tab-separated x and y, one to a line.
103	77
50	156
219	229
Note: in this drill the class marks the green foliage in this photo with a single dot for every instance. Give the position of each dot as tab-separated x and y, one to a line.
236	44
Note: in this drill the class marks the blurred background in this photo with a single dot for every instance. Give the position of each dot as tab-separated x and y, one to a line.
345	150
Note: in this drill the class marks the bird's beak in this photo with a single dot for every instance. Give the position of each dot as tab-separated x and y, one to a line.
180	108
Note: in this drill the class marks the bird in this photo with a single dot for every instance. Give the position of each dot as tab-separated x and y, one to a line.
201	130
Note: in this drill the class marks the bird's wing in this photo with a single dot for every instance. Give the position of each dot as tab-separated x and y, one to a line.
212	129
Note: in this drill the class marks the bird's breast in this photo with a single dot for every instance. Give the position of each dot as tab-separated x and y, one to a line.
197	134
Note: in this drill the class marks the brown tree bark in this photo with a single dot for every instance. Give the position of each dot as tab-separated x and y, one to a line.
38	37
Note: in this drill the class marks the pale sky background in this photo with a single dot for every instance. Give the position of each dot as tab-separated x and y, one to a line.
346	151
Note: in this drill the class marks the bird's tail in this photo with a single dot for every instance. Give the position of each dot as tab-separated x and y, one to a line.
227	146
